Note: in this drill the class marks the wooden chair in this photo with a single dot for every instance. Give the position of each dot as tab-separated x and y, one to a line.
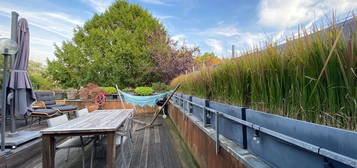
92	108
73	142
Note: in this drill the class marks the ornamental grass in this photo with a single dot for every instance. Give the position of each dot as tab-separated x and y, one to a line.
311	77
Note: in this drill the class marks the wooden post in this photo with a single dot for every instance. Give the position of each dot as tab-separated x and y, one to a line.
48	151
111	146
121	99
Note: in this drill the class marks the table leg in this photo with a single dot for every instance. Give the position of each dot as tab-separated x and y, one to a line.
48	151
111	145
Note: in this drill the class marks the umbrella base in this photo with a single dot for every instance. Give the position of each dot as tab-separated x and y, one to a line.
20	137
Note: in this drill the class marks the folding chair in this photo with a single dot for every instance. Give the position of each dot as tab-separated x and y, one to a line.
126	131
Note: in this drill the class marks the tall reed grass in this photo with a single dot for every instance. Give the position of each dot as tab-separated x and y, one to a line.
312	77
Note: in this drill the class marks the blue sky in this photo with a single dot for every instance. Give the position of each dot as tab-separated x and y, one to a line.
212	25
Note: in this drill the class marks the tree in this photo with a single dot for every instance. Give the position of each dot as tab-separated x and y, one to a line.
170	59
115	47
207	59
37	76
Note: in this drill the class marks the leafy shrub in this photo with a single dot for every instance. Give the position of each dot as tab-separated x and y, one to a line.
144	91
160	87
90	91
128	89
110	90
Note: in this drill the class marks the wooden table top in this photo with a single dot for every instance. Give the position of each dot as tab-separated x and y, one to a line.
99	121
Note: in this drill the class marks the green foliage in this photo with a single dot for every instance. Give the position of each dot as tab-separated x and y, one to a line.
311	78
115	47
128	89
110	90
38	78
160	87
144	91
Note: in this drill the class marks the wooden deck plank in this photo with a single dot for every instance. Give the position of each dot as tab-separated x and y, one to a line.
145	148
139	137
154	147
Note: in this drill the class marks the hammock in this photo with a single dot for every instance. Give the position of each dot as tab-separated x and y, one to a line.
142	100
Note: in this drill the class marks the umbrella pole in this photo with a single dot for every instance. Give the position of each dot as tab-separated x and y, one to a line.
14	27
4	90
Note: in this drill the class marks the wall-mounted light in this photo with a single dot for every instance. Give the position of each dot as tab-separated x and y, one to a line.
256	137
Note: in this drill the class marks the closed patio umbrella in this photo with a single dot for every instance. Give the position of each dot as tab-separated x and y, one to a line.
19	81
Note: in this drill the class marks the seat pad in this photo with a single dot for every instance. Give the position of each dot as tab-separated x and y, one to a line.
66	108
48	111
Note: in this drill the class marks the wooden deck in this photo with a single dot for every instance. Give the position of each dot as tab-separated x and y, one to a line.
156	147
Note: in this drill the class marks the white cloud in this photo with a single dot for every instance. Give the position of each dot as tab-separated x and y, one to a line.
221	30
249	39
163	17
216	46
178	37
283	14
182	41
46	28
58	23
156	2
4	32
99	5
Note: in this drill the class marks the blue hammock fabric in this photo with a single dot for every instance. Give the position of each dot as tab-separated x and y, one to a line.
143	100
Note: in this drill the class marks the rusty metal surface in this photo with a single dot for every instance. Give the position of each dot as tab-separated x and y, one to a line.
201	145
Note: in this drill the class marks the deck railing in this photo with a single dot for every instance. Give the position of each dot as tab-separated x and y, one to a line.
207	112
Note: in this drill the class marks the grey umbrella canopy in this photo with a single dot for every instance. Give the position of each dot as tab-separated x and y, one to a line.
19	81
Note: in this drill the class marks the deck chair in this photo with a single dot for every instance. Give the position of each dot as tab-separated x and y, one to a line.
41	112
72	142
47	98
125	133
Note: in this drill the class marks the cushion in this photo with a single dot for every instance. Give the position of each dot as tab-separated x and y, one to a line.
49	102
54	105
66	108
48	111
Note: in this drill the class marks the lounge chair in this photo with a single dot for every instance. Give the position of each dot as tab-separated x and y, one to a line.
73	142
47	97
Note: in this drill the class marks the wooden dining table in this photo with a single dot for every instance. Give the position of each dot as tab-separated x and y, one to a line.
99	122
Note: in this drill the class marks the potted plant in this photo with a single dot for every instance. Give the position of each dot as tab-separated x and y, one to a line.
144	91
59	94
71	93
111	93
84	93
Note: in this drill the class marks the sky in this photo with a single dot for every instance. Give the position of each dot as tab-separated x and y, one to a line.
211	25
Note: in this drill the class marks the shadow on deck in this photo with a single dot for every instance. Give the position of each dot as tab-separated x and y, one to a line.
159	146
